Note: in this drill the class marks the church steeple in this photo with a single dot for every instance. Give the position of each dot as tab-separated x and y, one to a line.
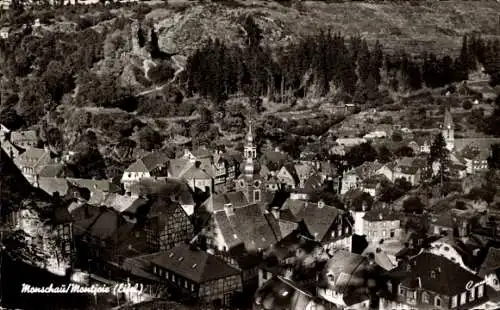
250	153
448	130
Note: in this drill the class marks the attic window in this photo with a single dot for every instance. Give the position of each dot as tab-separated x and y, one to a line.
181	259
194	266
171	255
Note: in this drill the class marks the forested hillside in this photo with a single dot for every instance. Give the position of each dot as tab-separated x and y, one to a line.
108	80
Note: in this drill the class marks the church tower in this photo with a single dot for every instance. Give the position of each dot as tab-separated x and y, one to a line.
250	153
250	182
448	130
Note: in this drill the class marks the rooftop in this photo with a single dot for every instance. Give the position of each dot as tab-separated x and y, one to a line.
194	264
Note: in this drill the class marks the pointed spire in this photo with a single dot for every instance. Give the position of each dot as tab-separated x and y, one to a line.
448	120
250	134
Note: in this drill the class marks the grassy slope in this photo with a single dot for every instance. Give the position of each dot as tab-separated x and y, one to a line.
436	26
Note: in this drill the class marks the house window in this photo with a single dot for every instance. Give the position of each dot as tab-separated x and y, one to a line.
192	287
155	270
495	281
437	302
392	234
446	248
185	284
472	295
454	301
264	275
173	277
480	291
463	298
256	195
425	298
401	291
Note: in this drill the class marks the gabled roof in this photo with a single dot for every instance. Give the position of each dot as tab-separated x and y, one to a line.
290	168
317	219
368	169
149	162
381	257
491	263
313	183
247	225
450	279
122	203
236	199
95	185
194	264
177	167
51	171
26	135
35	158
53	185
196	173
382	214
303	169
343	262
104	225
178	189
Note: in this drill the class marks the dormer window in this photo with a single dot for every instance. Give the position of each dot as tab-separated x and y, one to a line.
437	302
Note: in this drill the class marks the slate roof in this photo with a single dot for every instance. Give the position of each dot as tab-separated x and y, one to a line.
196	173
178	189
194	264
312	183
149	162
52	185
104	225
380	215
381	257
177	166
367	169
491	263
247	225
122	203
26	135
270	295
318	220
444	219
35	158
450	280
52	171
236	199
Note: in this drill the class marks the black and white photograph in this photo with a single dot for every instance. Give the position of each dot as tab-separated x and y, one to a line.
249	154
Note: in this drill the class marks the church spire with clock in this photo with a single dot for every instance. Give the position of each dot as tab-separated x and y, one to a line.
250	153
250	182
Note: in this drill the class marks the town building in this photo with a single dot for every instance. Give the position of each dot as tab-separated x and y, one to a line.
24	139
241	225
448	130
490	269
353	178
32	161
197	274
154	164
381	224
433	281
329	226
343	271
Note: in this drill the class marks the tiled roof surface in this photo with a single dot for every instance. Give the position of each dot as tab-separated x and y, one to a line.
450	279
149	162
122	203
317	219
491	262
52	185
384	214
247	225
176	167
193	264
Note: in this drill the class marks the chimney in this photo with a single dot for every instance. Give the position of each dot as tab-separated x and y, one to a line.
275	212
228	207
